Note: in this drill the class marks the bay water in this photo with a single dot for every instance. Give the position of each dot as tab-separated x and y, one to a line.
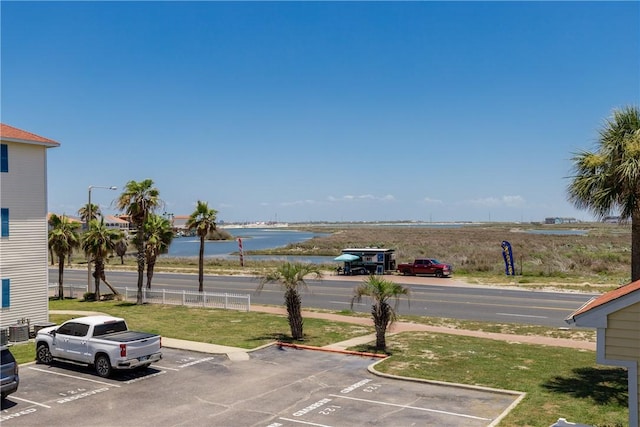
252	239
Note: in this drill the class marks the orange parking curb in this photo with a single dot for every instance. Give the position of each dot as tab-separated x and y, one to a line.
331	350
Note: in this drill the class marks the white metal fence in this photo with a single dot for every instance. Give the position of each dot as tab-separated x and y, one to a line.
227	301
190	298
70	291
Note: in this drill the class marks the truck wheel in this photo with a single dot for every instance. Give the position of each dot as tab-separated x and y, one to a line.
103	366
406	272
43	355
439	273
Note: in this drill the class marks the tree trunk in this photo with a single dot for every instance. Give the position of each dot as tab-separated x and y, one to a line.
140	248
60	276
201	265
150	266
381	314
97	274
294	313
635	246
115	292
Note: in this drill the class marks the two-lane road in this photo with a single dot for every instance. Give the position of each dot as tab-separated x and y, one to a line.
429	296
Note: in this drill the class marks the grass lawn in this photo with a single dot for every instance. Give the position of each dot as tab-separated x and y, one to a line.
559	382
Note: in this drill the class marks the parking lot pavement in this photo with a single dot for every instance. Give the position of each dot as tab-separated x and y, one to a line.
276	387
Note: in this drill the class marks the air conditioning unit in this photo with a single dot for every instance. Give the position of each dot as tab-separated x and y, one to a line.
19	333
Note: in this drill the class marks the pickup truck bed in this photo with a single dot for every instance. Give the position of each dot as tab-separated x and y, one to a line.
127	336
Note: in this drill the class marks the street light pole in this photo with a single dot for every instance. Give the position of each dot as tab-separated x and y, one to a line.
89	214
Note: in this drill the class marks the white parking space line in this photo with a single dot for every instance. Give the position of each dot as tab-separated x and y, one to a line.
73	376
30	401
304	422
522	315
413	407
165	367
195	362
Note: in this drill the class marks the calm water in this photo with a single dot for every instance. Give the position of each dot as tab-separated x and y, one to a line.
559	232
252	239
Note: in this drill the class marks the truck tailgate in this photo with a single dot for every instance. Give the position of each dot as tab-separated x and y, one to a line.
138	343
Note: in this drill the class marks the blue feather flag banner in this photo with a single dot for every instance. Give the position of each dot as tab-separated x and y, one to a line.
507	254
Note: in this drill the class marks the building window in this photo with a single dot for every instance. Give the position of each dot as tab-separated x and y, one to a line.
4	158
6	293
4	222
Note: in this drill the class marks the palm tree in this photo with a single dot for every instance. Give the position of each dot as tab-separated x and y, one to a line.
63	239
291	277
380	290
84	213
138	200
98	243
121	248
608	179
159	236
203	220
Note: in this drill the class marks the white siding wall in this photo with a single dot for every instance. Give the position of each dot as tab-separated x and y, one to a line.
23	255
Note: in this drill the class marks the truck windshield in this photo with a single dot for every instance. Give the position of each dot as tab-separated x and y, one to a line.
109	328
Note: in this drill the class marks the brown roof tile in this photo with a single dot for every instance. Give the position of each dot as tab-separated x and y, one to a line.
607	297
10	133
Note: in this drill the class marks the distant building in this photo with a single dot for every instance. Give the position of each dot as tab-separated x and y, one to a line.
69	218
116	223
24	269
559	220
180	222
611	219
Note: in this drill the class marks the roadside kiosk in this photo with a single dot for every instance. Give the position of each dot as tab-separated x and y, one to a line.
370	261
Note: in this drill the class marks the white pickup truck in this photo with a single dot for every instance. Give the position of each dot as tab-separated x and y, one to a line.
102	341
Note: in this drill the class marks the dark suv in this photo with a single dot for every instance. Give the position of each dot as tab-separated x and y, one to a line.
10	378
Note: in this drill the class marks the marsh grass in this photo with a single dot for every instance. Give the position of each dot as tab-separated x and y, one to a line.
601	256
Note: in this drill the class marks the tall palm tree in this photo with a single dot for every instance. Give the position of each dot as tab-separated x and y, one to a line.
138	200
98	243
84	213
63	239
608	179
203	221
291	277
381	291
159	236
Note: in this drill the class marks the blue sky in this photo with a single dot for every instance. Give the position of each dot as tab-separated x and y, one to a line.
312	111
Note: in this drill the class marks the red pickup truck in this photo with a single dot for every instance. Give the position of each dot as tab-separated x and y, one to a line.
426	266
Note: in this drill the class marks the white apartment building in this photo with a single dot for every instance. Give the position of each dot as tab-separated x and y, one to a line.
23	226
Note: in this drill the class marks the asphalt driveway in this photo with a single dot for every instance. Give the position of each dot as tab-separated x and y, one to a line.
274	387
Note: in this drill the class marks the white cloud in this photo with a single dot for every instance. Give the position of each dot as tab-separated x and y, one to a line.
350	197
299	202
513	201
431	201
509	201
